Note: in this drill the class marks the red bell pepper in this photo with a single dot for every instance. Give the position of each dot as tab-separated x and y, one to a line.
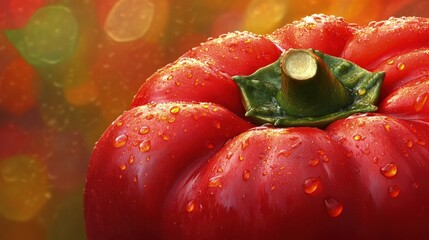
319	130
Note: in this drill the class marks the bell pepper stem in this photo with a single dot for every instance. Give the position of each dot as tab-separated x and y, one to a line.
308	87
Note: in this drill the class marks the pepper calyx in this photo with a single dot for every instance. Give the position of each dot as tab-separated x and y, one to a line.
306	87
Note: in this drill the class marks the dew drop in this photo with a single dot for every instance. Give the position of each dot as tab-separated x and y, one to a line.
387	127
311	185
321	152
170	77
144	130
150	116
229	155
313	162
135	179
175	110
123	167
421	142
131	160
310	25
145	146
284	153
357	137
138	114
400	66
333	207
245	143
215	182
393	191
389	170
190	206
119	123
409	144
390	62
209	145
217	125
420	101
361	91
246	175
120	141
171	120
165	137
416	185
367	151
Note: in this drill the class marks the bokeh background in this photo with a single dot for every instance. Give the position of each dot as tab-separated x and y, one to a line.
68	68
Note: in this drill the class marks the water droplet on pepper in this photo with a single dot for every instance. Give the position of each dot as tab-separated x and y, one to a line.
215	182
313	162
400	66
357	137
409	144
165	137
145	146
150	116
144	130
190	206
175	109
387	127
421	142
420	102
333	207
246	175
393	191
209	145
131	160
245	143
120	141
284	153
389	170
311	185
361	91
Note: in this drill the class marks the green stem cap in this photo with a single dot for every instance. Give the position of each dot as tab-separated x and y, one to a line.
308	88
